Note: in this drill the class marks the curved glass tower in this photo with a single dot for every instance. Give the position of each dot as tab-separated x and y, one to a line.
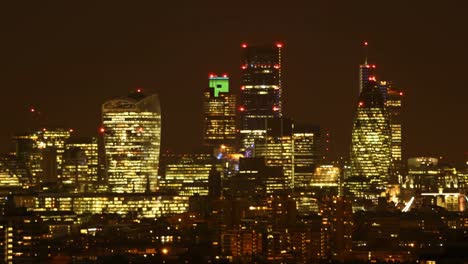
132	135
371	143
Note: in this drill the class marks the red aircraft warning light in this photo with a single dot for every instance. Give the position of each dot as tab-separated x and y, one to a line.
279	45
241	108
244	45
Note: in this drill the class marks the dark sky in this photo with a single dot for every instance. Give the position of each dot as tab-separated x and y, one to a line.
68	57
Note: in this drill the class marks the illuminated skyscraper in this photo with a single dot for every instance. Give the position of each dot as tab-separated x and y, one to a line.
219	109
366	70
393	105
80	168
371	143
306	151
42	153
261	90
54	139
278	147
292	148
132	135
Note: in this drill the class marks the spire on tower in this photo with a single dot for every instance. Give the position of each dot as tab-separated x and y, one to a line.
365	51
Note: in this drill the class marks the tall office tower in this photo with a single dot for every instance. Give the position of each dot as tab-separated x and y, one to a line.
366	70
370	147
132	135
28	156
306	151
42	151
393	105
80	168
219	110
278	147
55	138
261	91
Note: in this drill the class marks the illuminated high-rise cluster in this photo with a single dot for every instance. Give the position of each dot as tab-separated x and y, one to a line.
132	134
261	91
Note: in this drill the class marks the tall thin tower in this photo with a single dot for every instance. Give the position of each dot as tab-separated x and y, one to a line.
261	90
366	70
393	106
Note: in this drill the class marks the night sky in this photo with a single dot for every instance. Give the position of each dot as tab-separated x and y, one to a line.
67	57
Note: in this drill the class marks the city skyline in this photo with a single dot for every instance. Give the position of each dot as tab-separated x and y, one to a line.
233	132
320	68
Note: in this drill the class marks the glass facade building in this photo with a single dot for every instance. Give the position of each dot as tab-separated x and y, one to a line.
365	71
393	105
219	110
278	147
261	90
132	135
188	175
80	169
371	142
278	152
42	153
148	205
306	151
